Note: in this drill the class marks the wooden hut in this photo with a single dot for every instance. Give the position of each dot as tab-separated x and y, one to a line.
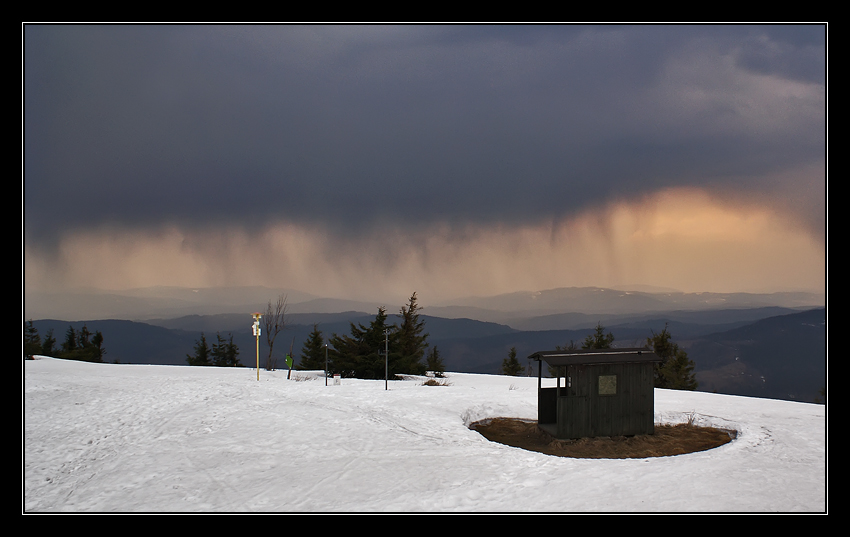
606	392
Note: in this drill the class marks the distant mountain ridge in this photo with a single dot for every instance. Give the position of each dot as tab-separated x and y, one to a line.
152	302
732	337
171	302
782	357
742	352
599	300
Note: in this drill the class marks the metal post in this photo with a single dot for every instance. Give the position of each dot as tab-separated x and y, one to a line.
539	385
326	364
386	357
539	374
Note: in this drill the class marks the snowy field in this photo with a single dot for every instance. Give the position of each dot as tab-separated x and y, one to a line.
138	438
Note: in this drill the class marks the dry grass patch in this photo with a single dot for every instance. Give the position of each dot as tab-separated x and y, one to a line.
436	382
668	440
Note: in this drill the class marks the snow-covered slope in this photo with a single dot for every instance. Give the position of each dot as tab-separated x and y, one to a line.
137	438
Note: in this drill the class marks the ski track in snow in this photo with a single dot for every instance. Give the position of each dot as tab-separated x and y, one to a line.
130	438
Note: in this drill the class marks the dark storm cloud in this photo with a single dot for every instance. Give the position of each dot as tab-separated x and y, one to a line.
356	126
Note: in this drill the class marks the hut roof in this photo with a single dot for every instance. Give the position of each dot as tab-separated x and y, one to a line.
596	356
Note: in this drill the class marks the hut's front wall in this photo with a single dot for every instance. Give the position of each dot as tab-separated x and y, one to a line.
606	400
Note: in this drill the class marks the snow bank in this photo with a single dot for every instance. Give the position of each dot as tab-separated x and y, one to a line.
139	438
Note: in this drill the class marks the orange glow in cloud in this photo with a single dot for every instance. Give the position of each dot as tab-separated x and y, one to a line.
680	239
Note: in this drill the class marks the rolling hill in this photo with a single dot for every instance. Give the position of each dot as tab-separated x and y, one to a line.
751	353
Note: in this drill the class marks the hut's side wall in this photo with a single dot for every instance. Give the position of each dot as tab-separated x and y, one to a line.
627	411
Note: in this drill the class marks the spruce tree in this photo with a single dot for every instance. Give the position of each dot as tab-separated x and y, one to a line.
344	351
360	354
598	339
96	350
83	337
411	342
434	362
313	351
32	341
217	351
202	353
379	335
49	343
224	353
676	370
510	365
70	343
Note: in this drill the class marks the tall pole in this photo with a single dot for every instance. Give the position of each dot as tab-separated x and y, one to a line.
386	356
326	364
257	335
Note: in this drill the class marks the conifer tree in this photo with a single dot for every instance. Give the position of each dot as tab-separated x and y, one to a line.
32	341
313	350
202	353
96	350
360	354
411	342
70	343
598	339
232	354
49	343
83	337
434	362
377	337
676	370
83	345
510	365
224	353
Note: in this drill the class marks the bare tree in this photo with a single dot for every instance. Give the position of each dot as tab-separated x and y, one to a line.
274	320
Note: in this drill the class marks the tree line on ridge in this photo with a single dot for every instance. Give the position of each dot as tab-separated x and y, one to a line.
368	352
79	344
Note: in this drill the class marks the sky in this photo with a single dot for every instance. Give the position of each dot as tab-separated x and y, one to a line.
359	161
